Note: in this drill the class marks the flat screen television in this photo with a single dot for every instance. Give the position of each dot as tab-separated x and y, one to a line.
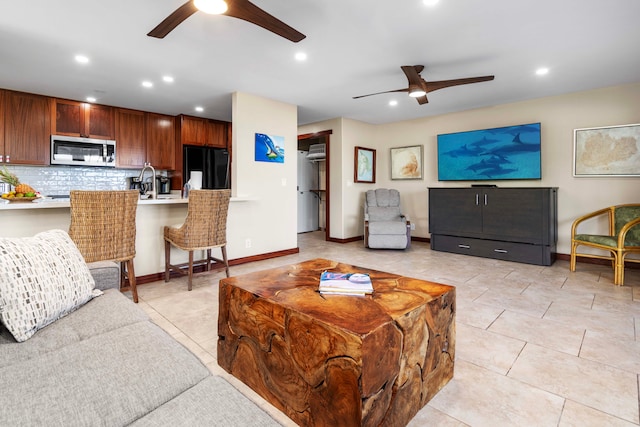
511	152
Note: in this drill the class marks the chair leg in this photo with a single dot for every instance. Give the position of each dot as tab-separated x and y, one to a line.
618	275
208	264
167	260
190	269
224	258
572	262
132	280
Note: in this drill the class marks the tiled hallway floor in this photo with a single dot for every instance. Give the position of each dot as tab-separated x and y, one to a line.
535	346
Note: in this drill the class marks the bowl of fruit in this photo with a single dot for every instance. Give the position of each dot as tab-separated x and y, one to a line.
21	192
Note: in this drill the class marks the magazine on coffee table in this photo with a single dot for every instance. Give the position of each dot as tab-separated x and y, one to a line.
332	283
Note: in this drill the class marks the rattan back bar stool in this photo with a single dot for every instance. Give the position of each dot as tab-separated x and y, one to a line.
204	228
103	227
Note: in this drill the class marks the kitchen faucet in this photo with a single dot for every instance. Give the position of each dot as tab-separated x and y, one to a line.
152	193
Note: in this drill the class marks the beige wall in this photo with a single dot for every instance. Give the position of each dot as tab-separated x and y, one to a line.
268	218
559	116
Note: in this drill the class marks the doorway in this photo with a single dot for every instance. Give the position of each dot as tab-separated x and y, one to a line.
322	192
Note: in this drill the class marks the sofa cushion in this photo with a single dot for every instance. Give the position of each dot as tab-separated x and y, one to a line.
100	315
42	278
212	402
110	379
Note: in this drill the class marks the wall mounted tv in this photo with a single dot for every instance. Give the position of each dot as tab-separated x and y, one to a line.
511	152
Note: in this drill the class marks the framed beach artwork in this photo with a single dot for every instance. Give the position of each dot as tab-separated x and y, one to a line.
269	148
364	167
607	151
406	162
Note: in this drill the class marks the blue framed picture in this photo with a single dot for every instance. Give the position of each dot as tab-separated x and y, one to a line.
269	148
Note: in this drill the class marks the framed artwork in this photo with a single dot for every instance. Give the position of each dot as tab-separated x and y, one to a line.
406	162
606	151
364	168
269	148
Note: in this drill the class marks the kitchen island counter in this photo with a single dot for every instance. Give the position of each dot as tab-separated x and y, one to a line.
24	219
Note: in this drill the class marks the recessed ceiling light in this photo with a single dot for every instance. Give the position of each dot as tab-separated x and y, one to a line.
301	56
542	71
167	79
430	2
82	59
90	99
393	103
199	109
147	83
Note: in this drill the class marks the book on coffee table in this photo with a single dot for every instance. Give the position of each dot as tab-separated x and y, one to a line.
345	284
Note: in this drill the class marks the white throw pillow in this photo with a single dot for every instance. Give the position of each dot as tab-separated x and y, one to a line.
42	278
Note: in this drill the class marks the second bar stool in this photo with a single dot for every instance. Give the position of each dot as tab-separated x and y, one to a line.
204	228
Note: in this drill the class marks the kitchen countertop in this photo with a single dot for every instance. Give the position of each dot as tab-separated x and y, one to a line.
64	203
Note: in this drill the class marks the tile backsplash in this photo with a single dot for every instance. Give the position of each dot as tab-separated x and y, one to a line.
62	179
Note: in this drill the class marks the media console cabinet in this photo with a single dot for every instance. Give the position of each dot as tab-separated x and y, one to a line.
513	224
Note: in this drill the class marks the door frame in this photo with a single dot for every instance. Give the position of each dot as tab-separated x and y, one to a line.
324	137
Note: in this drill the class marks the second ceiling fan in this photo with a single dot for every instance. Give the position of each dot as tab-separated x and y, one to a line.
418	87
241	9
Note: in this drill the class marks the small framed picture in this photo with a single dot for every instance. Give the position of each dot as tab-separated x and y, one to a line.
364	168
406	162
606	151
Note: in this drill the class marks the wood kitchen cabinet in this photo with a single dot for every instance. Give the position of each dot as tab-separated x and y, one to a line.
205	132
26	137
161	147
82	119
131	142
512	224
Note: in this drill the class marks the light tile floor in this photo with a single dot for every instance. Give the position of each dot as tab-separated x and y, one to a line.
536	346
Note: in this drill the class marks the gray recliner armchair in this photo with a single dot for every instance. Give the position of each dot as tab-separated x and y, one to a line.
385	227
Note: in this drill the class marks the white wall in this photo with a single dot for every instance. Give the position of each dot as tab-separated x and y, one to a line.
559	116
268	218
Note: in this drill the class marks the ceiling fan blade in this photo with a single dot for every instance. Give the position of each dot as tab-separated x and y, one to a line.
247	11
422	99
431	86
413	74
173	20
379	93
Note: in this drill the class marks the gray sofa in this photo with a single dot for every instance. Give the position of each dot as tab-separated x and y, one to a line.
107	364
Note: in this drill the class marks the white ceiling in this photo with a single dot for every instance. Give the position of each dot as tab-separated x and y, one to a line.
354	47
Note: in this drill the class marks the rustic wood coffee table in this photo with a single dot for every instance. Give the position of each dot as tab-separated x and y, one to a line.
337	360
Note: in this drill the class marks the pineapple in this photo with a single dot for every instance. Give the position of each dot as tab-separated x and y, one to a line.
12	179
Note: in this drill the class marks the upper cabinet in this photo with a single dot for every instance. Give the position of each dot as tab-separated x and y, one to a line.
27	128
82	119
161	138
131	138
144	138
199	131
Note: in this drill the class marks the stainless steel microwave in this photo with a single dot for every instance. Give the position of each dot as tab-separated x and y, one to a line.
76	151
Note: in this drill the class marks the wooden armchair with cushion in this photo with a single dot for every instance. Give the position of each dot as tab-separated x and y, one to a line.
623	238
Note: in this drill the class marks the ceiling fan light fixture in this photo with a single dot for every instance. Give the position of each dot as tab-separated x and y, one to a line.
213	7
415	91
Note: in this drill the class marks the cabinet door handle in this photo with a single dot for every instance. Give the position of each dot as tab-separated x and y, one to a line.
501	251
486	199
464	246
477	199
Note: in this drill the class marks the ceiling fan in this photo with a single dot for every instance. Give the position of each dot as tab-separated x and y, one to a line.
241	9
418	87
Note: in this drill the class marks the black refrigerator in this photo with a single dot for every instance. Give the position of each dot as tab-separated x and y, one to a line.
212	162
